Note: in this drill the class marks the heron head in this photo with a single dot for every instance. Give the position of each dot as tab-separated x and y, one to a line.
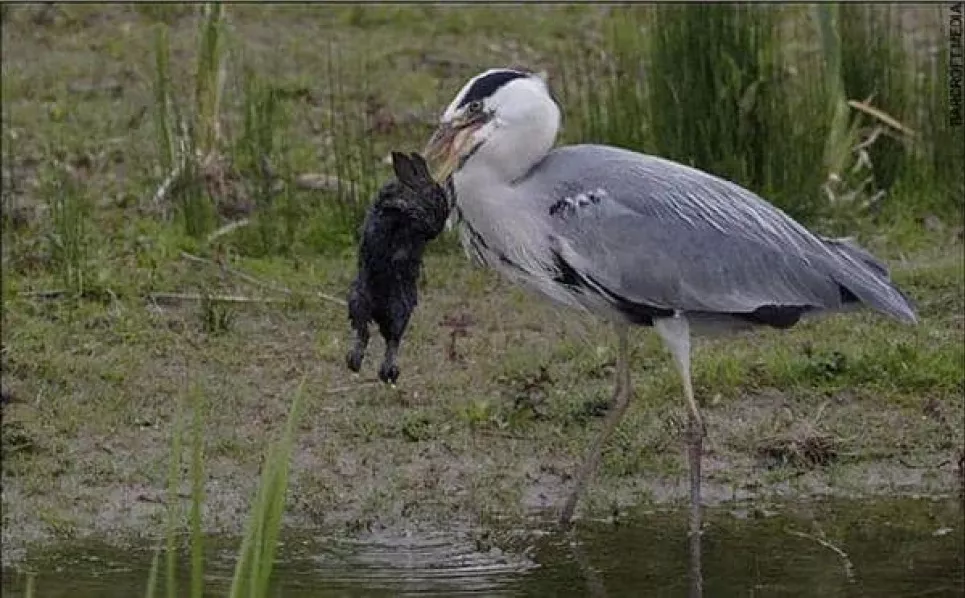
505	117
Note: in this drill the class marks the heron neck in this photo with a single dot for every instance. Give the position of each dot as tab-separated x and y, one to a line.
513	148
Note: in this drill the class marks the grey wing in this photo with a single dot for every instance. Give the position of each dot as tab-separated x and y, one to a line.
660	234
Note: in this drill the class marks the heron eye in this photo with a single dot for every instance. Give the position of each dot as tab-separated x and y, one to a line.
475	106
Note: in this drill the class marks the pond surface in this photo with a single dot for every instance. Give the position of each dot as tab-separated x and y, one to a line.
903	547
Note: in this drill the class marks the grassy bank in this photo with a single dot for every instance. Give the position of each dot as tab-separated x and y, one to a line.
115	295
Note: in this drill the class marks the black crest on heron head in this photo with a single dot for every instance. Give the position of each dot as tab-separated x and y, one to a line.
487	85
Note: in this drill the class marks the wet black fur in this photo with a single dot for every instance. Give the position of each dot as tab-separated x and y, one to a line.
408	213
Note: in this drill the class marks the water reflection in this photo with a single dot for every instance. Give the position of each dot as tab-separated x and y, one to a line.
893	548
696	571
888	549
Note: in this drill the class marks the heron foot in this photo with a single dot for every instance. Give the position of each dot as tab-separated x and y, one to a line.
695	437
592	460
696	430
621	400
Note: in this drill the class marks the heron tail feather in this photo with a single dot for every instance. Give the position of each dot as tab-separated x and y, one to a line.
875	288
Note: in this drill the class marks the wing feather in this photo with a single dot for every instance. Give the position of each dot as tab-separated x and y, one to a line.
663	234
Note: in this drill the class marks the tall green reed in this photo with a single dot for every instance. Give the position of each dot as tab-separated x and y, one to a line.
189	139
875	69
174	502
256	558
197	493
259	151
935	179
209	78
708	81
256	555
259	161
785	100
709	86
164	128
902	150
68	238
353	154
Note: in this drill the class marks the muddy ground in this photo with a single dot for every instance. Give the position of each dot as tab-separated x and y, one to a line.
485	425
500	393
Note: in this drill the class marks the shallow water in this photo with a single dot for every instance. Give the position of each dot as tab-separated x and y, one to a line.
906	547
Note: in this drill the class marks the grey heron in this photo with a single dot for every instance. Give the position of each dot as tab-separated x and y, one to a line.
636	239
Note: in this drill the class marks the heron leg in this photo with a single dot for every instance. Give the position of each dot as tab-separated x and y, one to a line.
621	400
675	333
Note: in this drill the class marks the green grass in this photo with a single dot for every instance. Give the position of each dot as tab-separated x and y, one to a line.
721	88
256	554
68	241
709	86
876	68
479	415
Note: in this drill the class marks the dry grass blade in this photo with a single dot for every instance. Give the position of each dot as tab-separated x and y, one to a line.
882	116
261	283
845	560
173	298
227	229
802	444
319	182
165	187
45	294
807	448
340	389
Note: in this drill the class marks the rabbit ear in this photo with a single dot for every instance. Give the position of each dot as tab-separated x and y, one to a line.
419	166
403	167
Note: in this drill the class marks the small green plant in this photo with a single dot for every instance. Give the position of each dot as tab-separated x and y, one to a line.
255	178
417	427
216	317
69	217
256	149
152	575
477	413
173	507
824	366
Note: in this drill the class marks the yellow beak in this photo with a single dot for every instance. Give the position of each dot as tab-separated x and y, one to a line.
446	147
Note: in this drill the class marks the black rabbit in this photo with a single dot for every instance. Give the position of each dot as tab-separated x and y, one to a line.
407	214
